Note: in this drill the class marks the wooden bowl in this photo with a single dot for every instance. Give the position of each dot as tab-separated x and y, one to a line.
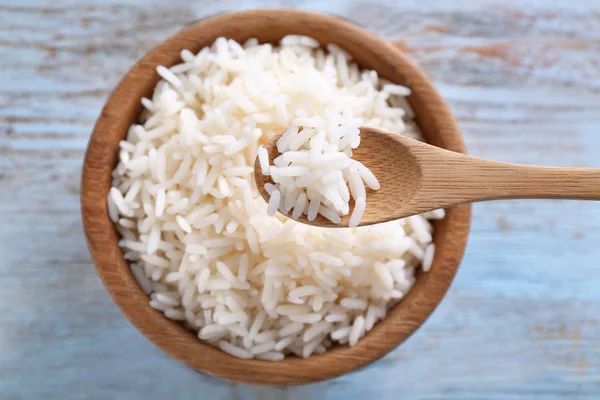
123	108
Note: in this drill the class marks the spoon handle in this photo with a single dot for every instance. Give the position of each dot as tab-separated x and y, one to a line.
463	179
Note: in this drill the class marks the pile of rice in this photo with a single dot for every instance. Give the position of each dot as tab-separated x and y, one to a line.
196	231
315	173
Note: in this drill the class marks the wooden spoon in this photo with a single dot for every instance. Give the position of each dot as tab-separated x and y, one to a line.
416	177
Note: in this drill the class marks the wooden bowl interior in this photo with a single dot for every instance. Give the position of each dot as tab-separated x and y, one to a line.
123	108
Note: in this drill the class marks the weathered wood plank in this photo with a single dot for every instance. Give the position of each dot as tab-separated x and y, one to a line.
521	320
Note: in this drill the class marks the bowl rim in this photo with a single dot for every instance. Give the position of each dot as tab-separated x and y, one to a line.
172	337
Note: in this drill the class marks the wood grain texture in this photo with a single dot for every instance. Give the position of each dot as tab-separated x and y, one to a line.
521	319
122	110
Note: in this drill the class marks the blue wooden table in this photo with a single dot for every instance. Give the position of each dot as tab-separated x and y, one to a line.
522	319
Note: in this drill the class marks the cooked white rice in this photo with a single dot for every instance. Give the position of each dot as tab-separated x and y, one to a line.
195	229
315	166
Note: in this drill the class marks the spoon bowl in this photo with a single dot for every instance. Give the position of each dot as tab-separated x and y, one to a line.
390	159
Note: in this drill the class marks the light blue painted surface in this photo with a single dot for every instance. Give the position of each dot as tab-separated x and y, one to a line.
522	320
